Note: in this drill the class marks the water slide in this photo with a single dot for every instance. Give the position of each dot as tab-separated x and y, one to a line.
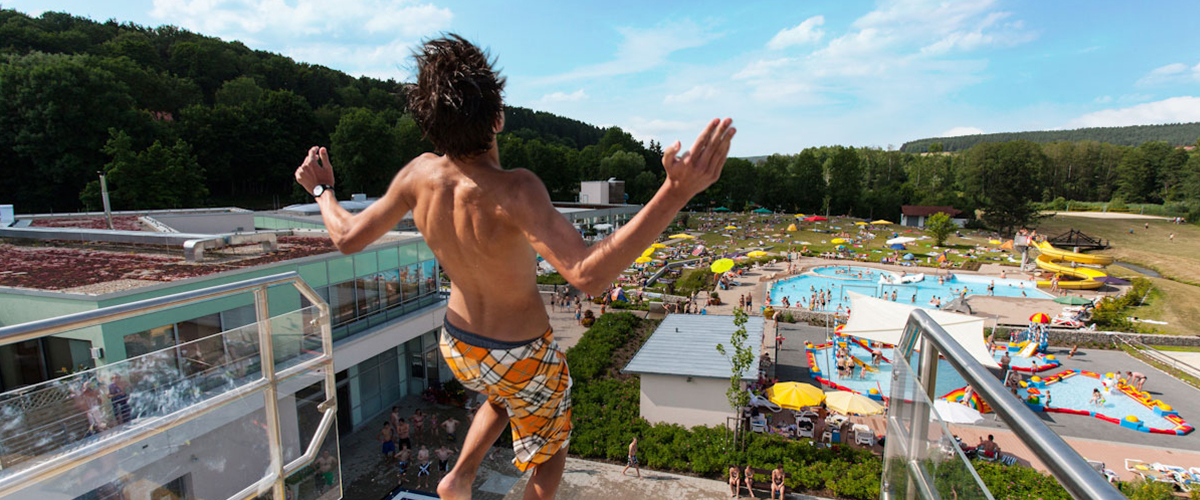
1030	347
1052	259
865	366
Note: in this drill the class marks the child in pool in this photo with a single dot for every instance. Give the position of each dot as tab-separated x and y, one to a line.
1097	398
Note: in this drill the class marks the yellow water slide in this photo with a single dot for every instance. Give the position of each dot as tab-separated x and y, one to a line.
1053	259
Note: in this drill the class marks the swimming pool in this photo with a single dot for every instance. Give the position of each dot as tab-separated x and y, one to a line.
1070	391
837	280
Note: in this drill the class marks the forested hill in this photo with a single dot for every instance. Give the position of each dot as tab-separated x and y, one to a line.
179	119
1177	134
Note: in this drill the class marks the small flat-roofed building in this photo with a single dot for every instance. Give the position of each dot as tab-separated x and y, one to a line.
684	378
916	215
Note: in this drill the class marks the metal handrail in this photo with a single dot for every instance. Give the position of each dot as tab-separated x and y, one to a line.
1079	478
265	385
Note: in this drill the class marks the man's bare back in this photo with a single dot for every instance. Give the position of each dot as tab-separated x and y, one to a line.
464	211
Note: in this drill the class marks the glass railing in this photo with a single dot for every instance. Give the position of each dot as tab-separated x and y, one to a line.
924	460
240	414
921	456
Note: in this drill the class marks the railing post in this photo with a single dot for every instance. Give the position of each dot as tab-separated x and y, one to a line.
270	393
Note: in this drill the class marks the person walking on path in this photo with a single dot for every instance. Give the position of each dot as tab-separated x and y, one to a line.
631	460
475	215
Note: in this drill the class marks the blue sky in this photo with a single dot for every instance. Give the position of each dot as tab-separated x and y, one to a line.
791	74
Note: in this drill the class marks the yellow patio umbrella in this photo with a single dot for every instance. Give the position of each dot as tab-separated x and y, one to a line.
648	252
795	395
721	265
849	403
756	253
882	222
860	223
731	227
642	260
837	241
682	236
994	242
791	227
800	216
658	245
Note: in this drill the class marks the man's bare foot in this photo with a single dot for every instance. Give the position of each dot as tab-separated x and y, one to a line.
455	486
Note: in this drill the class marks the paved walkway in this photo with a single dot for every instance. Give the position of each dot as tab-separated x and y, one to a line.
587	480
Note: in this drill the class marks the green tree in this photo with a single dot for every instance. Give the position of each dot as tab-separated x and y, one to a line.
935	147
363	151
845	181
157	177
810	182
939	226
740	360
239	91
1003	176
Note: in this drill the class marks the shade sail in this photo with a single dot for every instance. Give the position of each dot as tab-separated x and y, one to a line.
883	321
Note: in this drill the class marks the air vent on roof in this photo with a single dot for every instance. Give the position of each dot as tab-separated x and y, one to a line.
6	215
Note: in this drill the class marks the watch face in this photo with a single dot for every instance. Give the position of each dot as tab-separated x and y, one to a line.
318	190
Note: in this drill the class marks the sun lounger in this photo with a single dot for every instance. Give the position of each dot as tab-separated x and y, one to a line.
761	402
1148	471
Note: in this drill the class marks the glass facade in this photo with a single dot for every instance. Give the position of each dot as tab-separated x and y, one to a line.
374	385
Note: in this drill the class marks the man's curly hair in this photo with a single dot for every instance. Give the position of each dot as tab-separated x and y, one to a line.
458	96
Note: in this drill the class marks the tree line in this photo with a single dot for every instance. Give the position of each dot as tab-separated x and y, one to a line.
1176	134
178	119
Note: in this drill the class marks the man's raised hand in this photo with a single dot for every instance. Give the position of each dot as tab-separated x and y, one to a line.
315	169
701	166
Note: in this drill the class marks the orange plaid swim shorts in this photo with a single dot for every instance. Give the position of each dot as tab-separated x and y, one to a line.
530	379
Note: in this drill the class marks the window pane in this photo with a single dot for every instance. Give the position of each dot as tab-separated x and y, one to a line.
237	317
368	295
341	302
65	356
389	285
200	348
409	278
429	277
21	364
155	339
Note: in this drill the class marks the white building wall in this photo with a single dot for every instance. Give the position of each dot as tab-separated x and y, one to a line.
674	400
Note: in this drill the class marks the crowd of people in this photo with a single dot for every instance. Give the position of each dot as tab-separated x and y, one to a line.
406	443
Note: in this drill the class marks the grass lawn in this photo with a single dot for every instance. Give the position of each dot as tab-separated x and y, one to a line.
1176	300
1176	348
1179	259
771	231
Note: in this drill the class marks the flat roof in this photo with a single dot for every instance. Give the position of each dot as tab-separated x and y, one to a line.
686	345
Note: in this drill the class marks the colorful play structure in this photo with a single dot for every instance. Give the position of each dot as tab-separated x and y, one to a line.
1110	382
1082	278
1029	343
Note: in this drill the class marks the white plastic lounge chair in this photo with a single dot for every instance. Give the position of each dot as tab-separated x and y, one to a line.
1147	471
761	402
863	435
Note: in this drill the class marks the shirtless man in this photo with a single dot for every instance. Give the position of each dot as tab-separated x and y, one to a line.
402	459
450	425
325	470
402	434
423	463
486	226
631	460
777	478
386	445
443	455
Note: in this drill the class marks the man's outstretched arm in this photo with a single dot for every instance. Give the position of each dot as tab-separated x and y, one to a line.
352	232
593	268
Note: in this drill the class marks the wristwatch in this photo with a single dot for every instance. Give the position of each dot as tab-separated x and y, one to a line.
320	189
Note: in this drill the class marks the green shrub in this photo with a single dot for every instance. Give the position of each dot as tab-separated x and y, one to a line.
551	279
592	356
1112	313
694	280
1142	490
1117	203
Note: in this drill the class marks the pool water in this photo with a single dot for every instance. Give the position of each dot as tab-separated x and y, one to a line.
1075	393
1071	393
837	280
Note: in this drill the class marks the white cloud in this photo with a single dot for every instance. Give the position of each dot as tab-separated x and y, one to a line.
697	93
1170	74
314	31
1172	110
762	68
802	34
641	49
957	131
577	95
664	131
1104	99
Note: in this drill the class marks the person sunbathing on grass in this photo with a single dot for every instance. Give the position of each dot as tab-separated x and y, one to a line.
486	226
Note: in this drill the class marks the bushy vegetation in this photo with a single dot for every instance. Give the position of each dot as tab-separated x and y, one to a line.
1178	134
1112	313
606	418
551	279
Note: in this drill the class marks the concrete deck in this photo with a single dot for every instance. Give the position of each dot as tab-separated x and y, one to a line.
587	480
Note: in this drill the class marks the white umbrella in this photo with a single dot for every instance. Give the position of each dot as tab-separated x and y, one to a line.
956	413
901	240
